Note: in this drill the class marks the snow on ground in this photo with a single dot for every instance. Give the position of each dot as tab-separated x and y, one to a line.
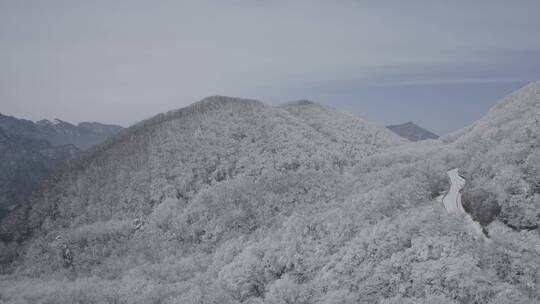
452	199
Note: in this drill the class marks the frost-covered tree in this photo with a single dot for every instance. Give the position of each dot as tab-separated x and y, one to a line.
234	201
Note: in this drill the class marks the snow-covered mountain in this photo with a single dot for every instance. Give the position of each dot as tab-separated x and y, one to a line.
412	132
97	128
58	132
234	201
502	160
175	155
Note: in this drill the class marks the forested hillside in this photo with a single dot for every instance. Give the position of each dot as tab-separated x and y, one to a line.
24	164
502	161
233	201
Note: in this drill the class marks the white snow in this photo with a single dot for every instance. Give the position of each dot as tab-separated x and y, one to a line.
452	199
57	121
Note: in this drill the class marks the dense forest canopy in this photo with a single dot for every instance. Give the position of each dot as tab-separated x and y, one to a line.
233	201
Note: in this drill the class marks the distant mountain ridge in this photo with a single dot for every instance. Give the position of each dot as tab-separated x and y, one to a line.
58	132
30	152
412	132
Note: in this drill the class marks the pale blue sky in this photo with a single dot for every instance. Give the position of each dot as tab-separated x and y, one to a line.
441	64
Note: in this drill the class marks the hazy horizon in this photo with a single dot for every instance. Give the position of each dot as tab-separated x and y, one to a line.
396	116
441	65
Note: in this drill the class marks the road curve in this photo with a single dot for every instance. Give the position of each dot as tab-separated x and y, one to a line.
452	199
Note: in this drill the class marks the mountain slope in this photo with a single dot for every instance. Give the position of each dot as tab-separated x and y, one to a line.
412	132
24	164
502	160
30	152
342	128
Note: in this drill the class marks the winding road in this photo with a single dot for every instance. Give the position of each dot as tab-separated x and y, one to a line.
452	199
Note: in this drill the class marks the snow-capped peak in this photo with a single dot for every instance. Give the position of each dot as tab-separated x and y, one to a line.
57	121
44	122
47	122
